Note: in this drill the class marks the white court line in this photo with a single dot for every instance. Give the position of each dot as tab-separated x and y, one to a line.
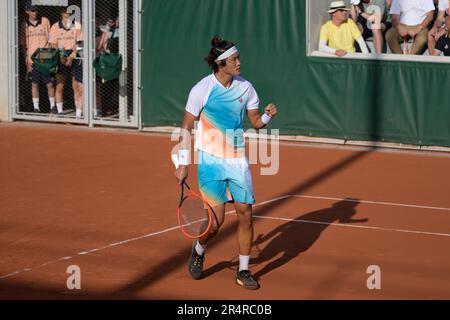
372	202
356	226
82	253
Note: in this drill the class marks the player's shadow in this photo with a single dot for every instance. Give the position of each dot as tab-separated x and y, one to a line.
290	239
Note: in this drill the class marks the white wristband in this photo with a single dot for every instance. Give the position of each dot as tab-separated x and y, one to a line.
184	157
265	118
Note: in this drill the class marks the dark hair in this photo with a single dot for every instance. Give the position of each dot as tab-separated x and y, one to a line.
31	7
219	46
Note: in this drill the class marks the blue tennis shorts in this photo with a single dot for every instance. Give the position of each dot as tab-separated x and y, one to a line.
224	180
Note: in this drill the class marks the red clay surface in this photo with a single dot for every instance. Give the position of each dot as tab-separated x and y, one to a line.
68	190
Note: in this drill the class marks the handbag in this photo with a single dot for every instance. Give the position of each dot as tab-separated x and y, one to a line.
46	60
108	66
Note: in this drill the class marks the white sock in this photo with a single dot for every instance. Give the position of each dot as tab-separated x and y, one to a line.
52	102
200	249
243	262
36	103
60	106
79	113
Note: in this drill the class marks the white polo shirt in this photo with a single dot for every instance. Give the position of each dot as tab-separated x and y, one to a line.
412	12
444	5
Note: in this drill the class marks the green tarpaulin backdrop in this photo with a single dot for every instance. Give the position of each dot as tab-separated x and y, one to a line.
403	102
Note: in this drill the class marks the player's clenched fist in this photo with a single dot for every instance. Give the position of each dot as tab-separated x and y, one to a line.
271	110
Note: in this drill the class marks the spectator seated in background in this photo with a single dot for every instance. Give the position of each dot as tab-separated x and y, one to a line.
370	17
443	44
437	30
338	35
109	41
410	20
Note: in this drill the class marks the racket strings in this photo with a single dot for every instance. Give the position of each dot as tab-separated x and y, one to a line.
195	220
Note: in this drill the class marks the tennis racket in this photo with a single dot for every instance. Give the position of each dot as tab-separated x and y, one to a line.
194	213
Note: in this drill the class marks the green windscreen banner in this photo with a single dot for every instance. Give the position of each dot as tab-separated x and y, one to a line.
392	101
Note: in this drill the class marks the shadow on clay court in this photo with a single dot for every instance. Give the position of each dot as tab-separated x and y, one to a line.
294	237
176	261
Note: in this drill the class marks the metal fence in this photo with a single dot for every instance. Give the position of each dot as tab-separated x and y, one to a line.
70	70
114	38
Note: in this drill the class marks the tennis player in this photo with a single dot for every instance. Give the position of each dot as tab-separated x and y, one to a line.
219	103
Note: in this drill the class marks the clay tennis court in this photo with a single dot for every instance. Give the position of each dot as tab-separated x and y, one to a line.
105	200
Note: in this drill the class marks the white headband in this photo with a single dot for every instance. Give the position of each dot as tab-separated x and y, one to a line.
227	54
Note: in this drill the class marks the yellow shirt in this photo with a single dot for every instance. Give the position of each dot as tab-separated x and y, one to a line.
342	37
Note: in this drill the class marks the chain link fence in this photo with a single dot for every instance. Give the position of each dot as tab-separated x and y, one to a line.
55	69
50	59
114	43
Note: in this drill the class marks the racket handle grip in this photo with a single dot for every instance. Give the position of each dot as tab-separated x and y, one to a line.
175	161
184	157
